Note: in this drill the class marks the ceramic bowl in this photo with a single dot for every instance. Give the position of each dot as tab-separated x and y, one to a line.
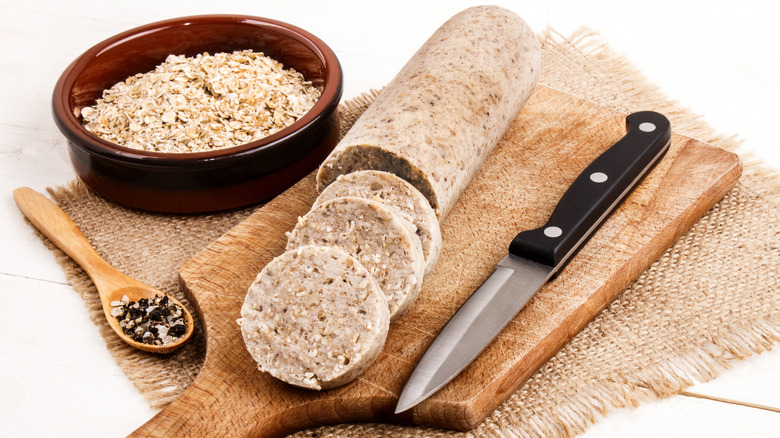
200	181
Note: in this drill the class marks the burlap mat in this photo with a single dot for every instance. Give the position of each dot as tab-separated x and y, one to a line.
709	300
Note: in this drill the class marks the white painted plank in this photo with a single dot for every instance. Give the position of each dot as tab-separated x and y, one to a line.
56	376
37	166
681	416
753	381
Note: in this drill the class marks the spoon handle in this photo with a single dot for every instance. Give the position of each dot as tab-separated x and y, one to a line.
56	225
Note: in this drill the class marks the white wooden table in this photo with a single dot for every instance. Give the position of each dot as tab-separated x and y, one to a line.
56	376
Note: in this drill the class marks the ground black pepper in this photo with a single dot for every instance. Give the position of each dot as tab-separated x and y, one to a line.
153	321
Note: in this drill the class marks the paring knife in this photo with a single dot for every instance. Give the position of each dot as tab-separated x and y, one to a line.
536	255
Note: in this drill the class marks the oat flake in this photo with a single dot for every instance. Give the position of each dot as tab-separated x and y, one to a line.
201	103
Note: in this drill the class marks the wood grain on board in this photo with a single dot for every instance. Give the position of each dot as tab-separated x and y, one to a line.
553	138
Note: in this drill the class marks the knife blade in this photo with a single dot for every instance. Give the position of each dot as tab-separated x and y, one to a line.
536	256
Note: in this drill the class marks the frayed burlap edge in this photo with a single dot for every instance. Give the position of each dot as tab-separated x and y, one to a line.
584	407
157	389
158	378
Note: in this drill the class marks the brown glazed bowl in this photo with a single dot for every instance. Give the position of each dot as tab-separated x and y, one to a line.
200	181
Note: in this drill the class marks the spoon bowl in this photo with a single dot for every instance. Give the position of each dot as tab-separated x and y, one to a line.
112	285
115	286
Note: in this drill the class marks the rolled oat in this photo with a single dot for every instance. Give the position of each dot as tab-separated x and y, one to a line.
201	103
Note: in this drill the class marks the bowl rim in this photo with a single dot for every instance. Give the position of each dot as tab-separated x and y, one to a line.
75	132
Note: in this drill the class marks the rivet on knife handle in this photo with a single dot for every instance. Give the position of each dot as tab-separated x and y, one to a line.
596	191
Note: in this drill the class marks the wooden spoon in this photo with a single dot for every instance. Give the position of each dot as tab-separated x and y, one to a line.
111	284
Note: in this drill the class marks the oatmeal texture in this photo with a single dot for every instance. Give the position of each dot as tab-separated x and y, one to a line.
436	122
314	317
379	237
396	193
201	103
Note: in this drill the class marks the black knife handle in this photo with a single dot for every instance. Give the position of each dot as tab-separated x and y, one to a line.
597	191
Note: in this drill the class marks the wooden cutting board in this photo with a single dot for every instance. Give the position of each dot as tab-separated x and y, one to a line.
553	138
